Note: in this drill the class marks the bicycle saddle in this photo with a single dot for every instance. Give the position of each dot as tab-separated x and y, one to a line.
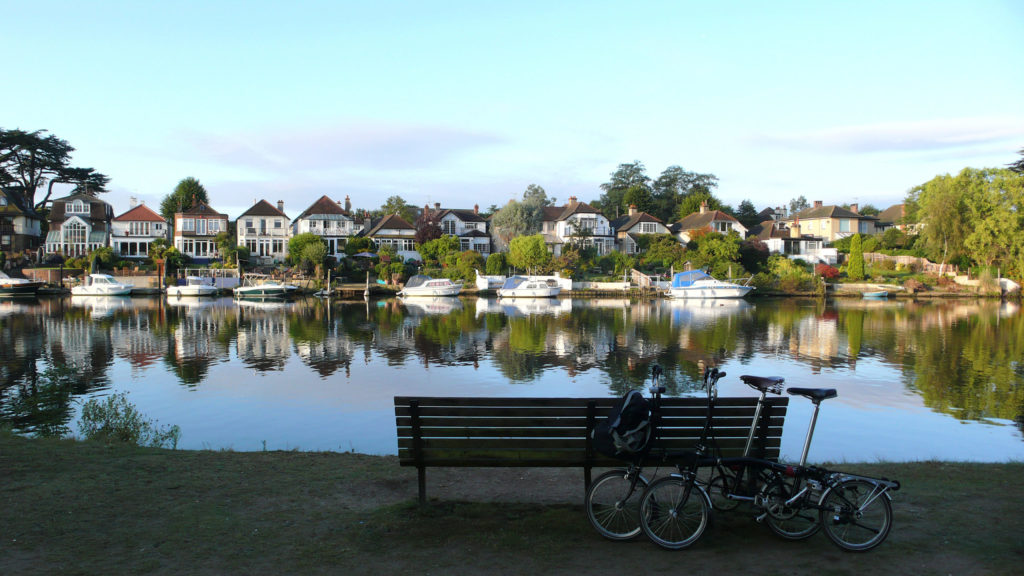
815	394
764	383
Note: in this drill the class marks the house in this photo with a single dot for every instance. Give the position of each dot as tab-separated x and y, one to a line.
788	240
394	231
467	225
20	225
705	219
79	223
577	223
832	222
131	233
327	219
264	229
630	227
893	217
196	230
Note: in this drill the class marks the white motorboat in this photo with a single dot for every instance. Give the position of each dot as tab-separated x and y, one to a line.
194	286
526	287
18	287
102	285
421	285
700	284
262	286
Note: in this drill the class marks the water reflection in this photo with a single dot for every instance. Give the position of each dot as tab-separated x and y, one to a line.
958	359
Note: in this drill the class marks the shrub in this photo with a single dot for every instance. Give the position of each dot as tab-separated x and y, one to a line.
115	419
826	271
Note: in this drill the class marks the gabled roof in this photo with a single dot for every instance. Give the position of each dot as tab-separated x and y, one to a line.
767	230
627	222
80	196
390	222
263	208
559	213
828	212
893	214
201	208
462	214
696	221
140	213
323	206
16	204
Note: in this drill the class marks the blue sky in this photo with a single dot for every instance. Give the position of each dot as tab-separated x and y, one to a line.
467	103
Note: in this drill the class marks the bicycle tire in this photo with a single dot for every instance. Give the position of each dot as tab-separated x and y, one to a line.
611	509
674	512
794	522
856	515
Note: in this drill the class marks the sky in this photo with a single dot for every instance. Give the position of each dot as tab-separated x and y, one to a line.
464	103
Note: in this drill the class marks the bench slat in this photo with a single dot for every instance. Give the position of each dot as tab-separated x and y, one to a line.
539	422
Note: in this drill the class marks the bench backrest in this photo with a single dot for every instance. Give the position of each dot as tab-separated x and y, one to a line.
436	431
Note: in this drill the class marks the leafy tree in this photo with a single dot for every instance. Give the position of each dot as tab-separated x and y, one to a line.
520	218
753	254
994	199
855	269
359	244
297	249
31	159
674	185
894	239
313	256
528	252
496	264
716	251
827	272
396	205
628	177
747	214
664	251
427	227
798	204
938	205
692	203
463	265
184	196
640	197
435	251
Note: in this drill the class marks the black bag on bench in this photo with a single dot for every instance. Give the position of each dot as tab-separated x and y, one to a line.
627	430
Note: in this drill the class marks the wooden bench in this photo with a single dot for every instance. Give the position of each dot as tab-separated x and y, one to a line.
555	432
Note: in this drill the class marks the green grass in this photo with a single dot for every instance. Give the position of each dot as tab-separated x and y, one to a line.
86	508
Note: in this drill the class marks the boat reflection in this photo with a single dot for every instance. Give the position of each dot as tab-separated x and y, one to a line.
704	311
102	306
516	308
426	306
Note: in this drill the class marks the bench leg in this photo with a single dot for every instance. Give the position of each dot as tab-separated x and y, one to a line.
421	473
586	478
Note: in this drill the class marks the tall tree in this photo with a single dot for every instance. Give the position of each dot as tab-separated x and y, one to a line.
527	252
676	184
691	204
798	204
31	159
627	177
746	213
184	196
398	205
1018	166
938	205
855	270
520	218
85	180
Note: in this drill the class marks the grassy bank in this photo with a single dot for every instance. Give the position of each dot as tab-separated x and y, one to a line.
85	508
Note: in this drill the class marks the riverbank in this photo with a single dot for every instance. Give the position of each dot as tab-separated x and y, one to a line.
85	508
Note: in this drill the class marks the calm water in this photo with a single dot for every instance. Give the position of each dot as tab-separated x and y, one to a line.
927	380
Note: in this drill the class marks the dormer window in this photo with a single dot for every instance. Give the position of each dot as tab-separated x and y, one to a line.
76	207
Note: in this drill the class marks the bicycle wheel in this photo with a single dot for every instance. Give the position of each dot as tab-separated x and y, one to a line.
612	509
795	521
674	512
718	489
856	514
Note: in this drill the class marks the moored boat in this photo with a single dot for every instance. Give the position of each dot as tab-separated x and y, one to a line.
700	284
876	295
422	285
263	286
18	287
102	285
526	287
194	286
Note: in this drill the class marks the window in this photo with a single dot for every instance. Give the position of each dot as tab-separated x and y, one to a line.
76	207
722	227
648	227
214	226
448	227
201	226
277	223
278	246
75	233
3	201
844	225
188	225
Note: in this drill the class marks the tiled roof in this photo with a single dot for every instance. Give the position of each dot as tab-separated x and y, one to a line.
828	212
140	213
696	221
323	206
462	214
627	222
892	214
390	222
263	208
201	208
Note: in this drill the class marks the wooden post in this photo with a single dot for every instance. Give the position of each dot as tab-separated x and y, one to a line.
417	450
591	417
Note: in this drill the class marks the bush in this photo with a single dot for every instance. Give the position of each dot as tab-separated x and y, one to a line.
117	420
827	272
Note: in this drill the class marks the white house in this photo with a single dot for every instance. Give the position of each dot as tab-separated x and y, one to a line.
630	227
577	223
265	231
327	219
467	225
196	230
131	233
393	230
711	220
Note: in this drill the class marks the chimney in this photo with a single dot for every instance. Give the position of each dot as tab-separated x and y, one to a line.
817	203
135	201
476	208
632	210
704	207
280	205
437	206
367	224
854	207
348	205
572	200
794	230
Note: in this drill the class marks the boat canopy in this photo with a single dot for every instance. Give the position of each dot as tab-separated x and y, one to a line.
513	282
417	280
686	279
